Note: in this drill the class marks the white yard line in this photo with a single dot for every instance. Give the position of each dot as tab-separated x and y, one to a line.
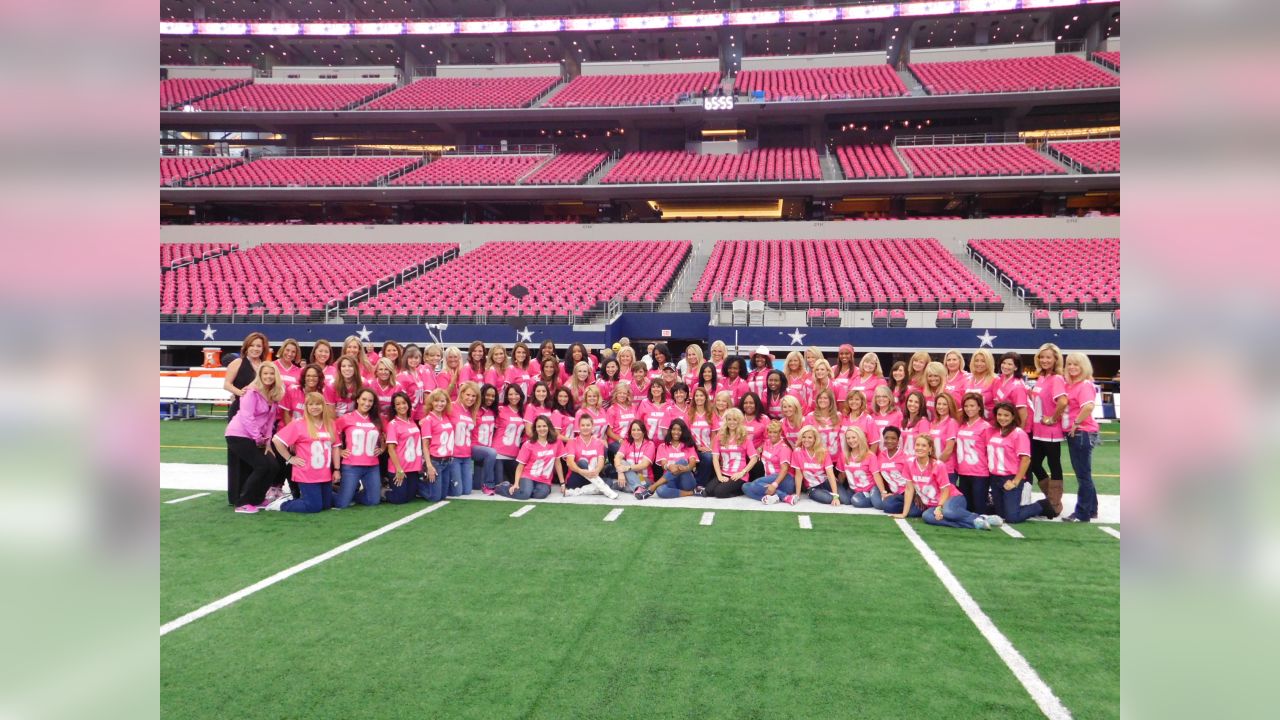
185	498
220	603
805	523
1110	531
613	515
1011	532
707	518
1040	692
523	511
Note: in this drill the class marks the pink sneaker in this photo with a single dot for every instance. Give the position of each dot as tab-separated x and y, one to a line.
247	509
790	499
486	490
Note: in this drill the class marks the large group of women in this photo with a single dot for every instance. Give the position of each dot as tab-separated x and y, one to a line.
954	443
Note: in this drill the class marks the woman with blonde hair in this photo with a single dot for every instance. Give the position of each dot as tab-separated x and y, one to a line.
826	418
384	385
580	378
732	457
820	373
353	348
885	412
247	437
799	381
792	419
1048	400
1082	436
935	384
450	377
692	362
287	361
306	444
775	460
814	468
719	351
915	370
956	377
941	502
859	466
982	378
496	366
870	376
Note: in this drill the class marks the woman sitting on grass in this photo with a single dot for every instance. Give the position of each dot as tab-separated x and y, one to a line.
537	465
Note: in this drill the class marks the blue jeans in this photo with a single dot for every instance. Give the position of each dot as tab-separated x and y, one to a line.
822	494
576	479
633	480
314	497
703	470
407	490
1011	507
611	451
365	476
757	489
675	483
893	505
1080	447
979	491
504	470
864	499
463	477
434	490
954	514
528	489
488	459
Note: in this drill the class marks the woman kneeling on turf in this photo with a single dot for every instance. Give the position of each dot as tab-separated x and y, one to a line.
929	486
585	457
404	457
307	445
777	482
1009	458
862	487
537	465
814	469
677	457
894	472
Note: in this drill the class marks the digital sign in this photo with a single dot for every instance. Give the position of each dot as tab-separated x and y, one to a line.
718	102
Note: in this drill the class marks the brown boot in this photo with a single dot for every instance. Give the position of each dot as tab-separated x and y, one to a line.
1052	490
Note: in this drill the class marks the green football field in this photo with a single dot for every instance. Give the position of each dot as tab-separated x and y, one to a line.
468	612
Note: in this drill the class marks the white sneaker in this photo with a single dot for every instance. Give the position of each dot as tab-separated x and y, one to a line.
278	502
994	521
769	499
980	523
574	492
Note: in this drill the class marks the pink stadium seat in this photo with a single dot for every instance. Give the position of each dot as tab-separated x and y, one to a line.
869	161
678	166
835	83
630	90
472	170
295	96
176	254
848	274
1077	273
307	172
564	279
976	160
1029	74
570	168
1096	155
173	170
178	92
465	93
1111	59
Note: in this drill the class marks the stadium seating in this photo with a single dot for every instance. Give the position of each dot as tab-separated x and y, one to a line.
869	161
678	166
848	274
176	254
1111	59
1057	273
306	172
971	160
465	93
1052	72
833	83
1094	155
175	169
275	279
567	168
294	96
628	90
563	279
472	170
177	92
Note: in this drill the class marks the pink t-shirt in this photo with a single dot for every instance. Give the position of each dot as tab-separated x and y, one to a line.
864	423
566	425
486	421
341	405
812	471
470	374
539	460
584	450
414	384
703	427
437	433
909	434
1080	394
956	384
893	468
599	421
668	453
830	433
736	386
406	437
1043	399
943	432
987	392
881	421
464	429
867	386
757	428
635	454
619	418
801	389
288	376
772	406
445	378
652	416
294	402
971	448
1011	391
384	393
509	432
317	452
930	481
1003	451
733	456
774	456
673	412
756	380
533	412
359	436
859	474
791	432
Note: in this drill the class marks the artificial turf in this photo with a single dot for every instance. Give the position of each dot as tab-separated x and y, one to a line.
467	612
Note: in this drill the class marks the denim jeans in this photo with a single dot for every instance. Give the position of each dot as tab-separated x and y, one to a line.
463	477
488	459
977	489
954	514
893	505
434	490
407	490
365	476
675	483
633	479
312	498
704	470
1080	447
822	494
1011	507
757	489
577	478
528	490
865	499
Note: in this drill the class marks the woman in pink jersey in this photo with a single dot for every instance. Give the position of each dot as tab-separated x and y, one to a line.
1082	435
799	381
982	378
607	379
415	380
404	451
539	403
550	375
915	419
449	378
247	437
306	445
548	355
438	436
792	420
679	460
973	475
732	457
776	481
394	352
627	362
564	412
858	468
634	460
707	378
898	381
384	385
579	380
943	504
869	377
322	354
893	460
692	363
935	384
537	465
585	457
734	378
464	433
761	366
821	381
433	358
825	418
753	418
361	436
354	349
524	368
1009	458
814	468
618	417
856	415
884	412
703	423
473	365
1048	400
653	409
577	353
496	366
719	354
775	390
844	372
593	407
293	406
509	433
639	381
943	431
956	377
287	362
346	385
661	358
915	370
483	450
1010	388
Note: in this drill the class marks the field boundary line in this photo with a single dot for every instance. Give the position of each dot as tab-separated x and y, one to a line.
1110	531
523	511
707	518
1040	691
613	515
287	573
806	523
1011	532
175	501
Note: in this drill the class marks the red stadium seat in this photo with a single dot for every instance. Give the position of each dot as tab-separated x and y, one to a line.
678	166
1028	74
1051	272
465	93
977	160
834	83
294	96
306	172
1093	155
630	90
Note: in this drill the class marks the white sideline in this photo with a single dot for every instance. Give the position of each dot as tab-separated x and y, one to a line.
613	515
175	501
1110	531
1040	692
707	518
1011	532
805	523
522	511
220	603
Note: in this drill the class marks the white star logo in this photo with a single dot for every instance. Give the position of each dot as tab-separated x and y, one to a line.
525	335
797	337
364	332
986	337
208	331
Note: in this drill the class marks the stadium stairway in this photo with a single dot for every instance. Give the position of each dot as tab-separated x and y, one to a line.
913	84
1012	303
830	165
677	300
594	177
546	97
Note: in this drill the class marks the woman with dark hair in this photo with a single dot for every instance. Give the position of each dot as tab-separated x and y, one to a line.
537	465
678	459
248	435
1009	387
577	353
775	390
361	436
482	450
661	356
508	435
899	381
761	366
404	454
242	371
734	377
708	378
